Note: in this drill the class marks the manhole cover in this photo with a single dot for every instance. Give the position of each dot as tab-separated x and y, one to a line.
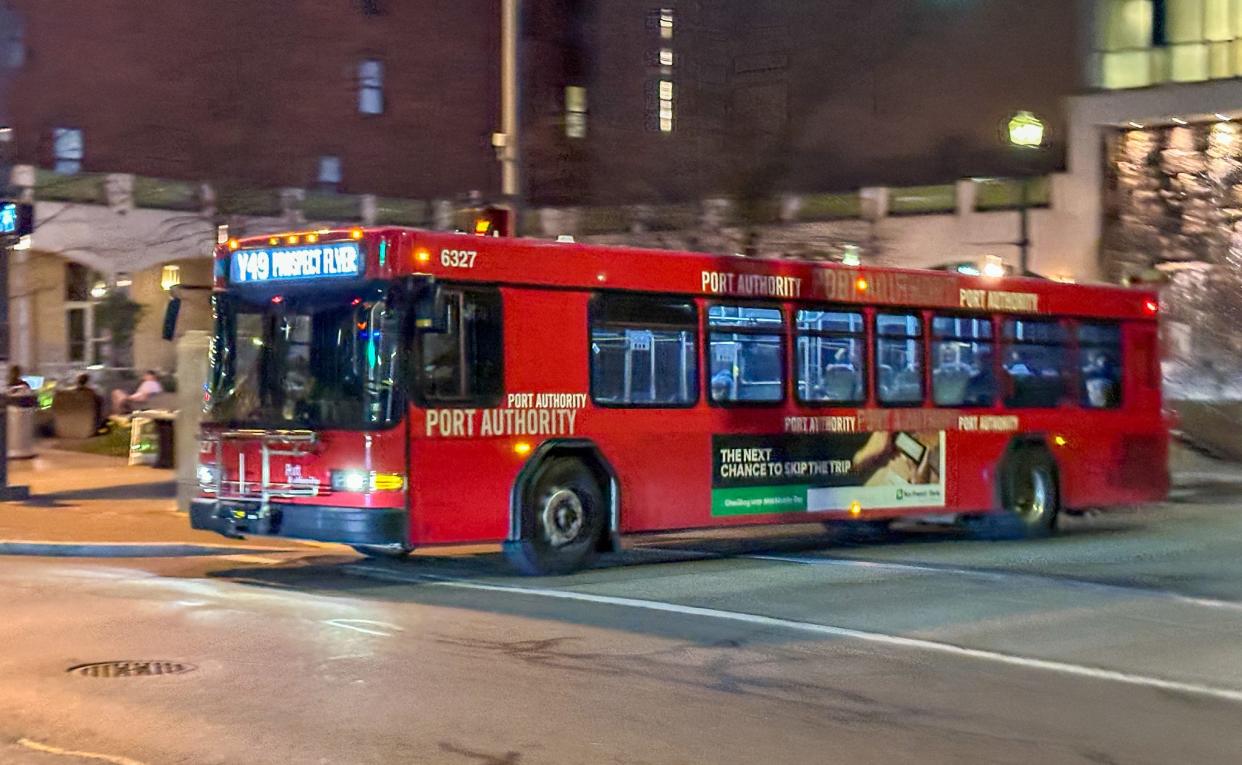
131	668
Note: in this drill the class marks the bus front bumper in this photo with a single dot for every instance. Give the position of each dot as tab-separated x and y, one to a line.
321	523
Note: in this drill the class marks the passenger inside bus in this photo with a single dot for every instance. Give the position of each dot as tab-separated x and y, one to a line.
1101	379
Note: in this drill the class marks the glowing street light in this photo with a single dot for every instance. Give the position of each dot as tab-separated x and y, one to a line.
1026	131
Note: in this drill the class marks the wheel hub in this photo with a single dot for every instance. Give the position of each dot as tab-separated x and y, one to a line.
1032	500
563	517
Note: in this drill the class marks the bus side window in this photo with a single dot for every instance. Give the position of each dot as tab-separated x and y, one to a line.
643	351
463	364
899	358
1036	363
1099	364
962	361
832	358
747	353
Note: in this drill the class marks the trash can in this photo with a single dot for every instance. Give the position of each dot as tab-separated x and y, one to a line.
21	424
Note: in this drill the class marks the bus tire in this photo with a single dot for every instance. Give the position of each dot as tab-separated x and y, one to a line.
563	516
1030	498
383	552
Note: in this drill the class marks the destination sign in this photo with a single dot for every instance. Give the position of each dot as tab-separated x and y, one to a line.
317	261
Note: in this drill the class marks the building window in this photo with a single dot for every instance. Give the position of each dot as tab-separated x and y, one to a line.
83	289
666	58
666	23
67	150
329	171
371	86
643	352
12	40
1148	42
664	95
575	111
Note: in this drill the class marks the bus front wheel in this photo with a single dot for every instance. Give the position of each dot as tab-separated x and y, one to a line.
563	518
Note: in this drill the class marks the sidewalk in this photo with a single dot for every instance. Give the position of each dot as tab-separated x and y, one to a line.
81	500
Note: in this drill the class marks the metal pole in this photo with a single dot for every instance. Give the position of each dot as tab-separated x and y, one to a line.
509	101
1024	232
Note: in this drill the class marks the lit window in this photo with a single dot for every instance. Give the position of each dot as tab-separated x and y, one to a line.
12	40
666	56
666	23
329	170
67	150
170	276
665	93
575	111
371	86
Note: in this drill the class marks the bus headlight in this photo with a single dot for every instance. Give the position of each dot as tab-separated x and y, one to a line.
353	481
208	475
358	481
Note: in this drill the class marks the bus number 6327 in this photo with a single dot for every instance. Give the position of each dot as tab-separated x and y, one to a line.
458	258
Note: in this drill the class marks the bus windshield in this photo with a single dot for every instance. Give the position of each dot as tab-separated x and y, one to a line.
327	361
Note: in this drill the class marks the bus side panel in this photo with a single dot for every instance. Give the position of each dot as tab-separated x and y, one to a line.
459	487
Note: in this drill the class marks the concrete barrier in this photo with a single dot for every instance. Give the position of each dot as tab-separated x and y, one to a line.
1213	425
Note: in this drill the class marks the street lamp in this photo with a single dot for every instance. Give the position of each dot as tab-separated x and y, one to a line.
1026	134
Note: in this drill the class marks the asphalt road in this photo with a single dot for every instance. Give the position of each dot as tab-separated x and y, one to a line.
1119	641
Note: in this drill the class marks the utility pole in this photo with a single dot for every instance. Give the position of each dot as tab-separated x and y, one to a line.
508	141
16	222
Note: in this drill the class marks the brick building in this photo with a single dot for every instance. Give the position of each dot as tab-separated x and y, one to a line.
138	127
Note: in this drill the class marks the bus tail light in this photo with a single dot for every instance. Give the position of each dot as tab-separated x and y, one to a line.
1152	307
360	481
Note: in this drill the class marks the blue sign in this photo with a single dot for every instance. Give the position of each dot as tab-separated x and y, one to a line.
280	264
8	218
16	219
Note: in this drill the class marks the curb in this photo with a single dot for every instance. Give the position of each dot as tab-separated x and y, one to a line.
127	549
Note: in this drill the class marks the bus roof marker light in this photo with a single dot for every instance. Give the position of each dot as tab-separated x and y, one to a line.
860	284
291	239
312	238
601	277
234	244
423	256
273	240
355	233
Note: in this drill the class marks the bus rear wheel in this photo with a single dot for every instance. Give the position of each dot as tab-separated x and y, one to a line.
1030	498
562	520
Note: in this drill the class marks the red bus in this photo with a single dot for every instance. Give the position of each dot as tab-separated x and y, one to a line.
390	388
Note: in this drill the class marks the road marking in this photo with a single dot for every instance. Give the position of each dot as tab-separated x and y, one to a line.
365	626
1085	584
899	641
49	749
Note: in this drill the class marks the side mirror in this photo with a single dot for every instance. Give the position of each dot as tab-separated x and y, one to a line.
430	310
170	317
